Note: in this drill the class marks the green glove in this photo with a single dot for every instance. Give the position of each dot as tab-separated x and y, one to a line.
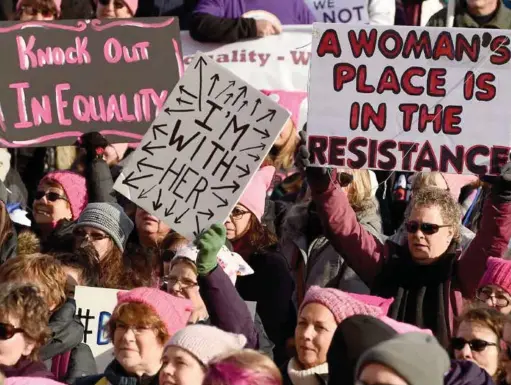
209	244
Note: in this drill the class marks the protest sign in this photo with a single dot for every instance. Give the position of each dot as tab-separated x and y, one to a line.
408	98
339	11
203	148
279	62
62	79
94	307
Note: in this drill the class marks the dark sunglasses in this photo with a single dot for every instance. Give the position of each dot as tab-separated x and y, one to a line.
50	195
7	331
427	228
117	3
344	179
476	345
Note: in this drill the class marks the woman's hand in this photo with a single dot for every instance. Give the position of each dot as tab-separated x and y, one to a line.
199	312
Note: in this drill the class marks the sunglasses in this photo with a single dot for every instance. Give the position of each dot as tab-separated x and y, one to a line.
7	331
476	345
117	3
50	195
427	228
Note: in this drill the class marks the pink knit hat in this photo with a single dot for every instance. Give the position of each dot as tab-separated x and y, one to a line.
341	304
58	4
498	272
173	311
290	100
254	196
30	381
74	186
131	4
403	328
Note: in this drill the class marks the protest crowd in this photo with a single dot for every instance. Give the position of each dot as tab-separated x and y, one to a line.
328	270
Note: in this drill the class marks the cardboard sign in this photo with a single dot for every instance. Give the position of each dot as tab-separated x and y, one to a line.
279	62
94	307
339	11
62	79
202	150
410	99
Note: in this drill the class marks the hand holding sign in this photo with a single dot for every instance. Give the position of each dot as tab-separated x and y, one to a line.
202	150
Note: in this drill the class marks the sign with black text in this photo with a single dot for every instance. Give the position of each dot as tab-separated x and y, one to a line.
339	11
202	150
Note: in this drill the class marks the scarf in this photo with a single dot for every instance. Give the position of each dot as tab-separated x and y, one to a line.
420	291
310	376
116	375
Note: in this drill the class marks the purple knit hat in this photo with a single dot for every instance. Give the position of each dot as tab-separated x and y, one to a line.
173	311
74	186
498	272
341	304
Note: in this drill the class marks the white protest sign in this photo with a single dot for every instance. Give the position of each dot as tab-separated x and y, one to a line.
279	62
202	150
411	99
94	307
339	11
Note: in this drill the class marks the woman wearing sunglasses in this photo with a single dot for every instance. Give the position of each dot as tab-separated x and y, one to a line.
495	286
116	9
38	10
477	339
427	277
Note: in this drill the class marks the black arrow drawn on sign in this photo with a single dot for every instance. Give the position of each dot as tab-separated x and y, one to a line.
271	113
256	158
156	127
180	100
157	204
168	110
246	171
144	193
198	232
231	84
129	179
243	105
261	147
141	163
147	148
215	78
168	210
209	214
257	103
235	187
184	91
229	97
224	201
177	220
200	64
243	92
264	133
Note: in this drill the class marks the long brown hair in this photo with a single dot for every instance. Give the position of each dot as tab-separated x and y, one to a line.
111	268
260	236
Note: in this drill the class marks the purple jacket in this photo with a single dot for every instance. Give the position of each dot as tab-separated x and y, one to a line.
288	11
27	368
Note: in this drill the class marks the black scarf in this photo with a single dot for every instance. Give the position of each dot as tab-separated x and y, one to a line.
116	375
419	291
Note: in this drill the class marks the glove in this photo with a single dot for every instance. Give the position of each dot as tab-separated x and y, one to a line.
501	185
209	244
93	143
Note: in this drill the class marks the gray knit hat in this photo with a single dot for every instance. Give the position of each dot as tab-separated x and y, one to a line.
207	342
110	218
417	357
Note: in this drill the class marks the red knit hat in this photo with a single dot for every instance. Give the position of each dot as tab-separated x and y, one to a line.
173	311
498	272
74	186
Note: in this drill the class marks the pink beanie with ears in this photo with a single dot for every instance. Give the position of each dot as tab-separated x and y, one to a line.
254	196
291	101
74	186
58	4
498	273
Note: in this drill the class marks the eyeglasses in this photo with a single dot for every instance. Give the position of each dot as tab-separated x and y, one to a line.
237	213
344	179
118	4
92	237
427	228
50	195
476	345
46	12
498	299
137	329
184	283
7	331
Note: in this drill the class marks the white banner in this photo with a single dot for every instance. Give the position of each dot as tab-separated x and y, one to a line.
339	11
408	98
278	62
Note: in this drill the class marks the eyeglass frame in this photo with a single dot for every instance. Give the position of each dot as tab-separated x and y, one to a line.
90	238
492	296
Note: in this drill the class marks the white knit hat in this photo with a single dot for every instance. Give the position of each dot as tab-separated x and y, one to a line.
207	342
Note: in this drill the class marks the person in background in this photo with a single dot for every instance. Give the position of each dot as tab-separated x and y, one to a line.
245	367
38	10
141	324
477	339
397	362
82	268
227	21
495	286
116	9
23	330
475	14
150	230
183	9
190	350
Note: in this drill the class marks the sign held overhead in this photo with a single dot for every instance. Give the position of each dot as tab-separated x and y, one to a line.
202	150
